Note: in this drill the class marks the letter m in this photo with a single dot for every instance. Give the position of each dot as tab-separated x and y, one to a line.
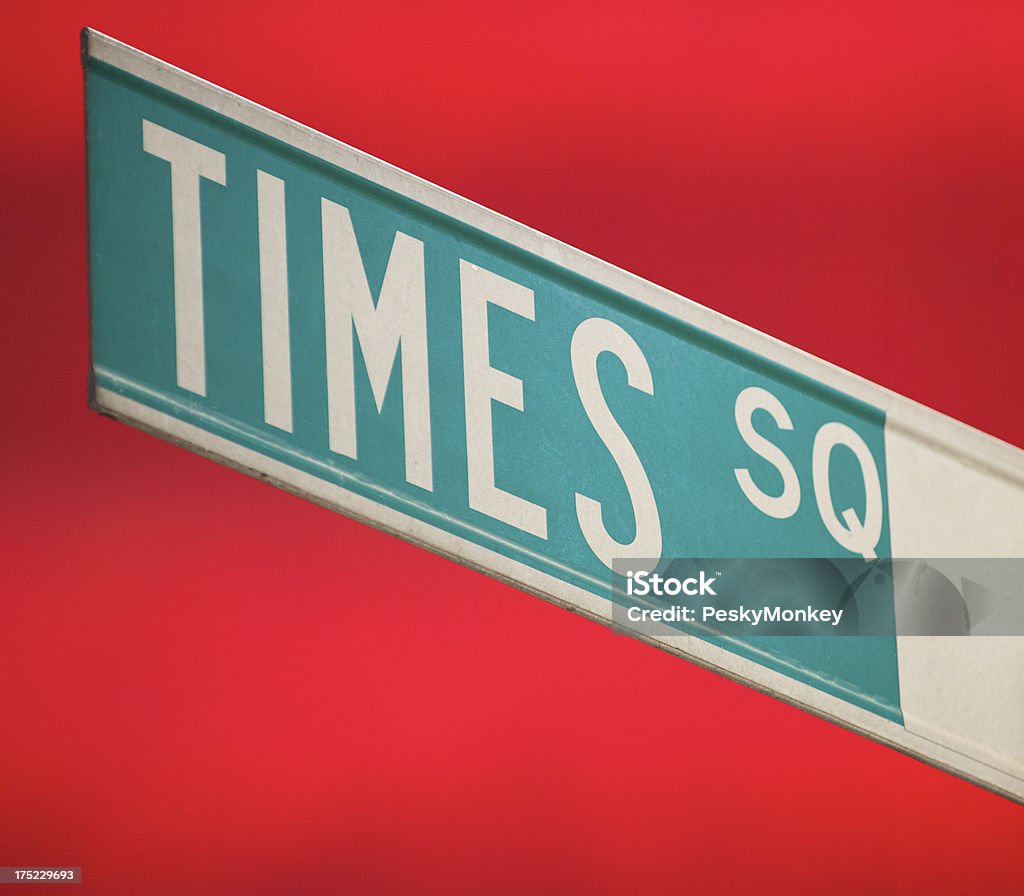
397	320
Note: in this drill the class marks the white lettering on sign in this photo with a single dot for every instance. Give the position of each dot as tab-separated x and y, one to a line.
484	384
592	337
190	162
398	319
849	531
857	536
277	361
780	506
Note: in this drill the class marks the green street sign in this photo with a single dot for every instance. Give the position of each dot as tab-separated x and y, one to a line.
299	310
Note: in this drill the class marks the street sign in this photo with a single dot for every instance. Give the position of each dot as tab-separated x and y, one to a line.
292	307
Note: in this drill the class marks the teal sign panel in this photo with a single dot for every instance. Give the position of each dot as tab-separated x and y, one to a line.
496	400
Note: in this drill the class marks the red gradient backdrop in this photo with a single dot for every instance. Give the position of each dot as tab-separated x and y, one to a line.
207	686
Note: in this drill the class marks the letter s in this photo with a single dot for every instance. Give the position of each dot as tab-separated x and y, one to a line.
781	506
592	337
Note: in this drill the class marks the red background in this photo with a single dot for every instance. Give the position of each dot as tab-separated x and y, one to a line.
203	688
